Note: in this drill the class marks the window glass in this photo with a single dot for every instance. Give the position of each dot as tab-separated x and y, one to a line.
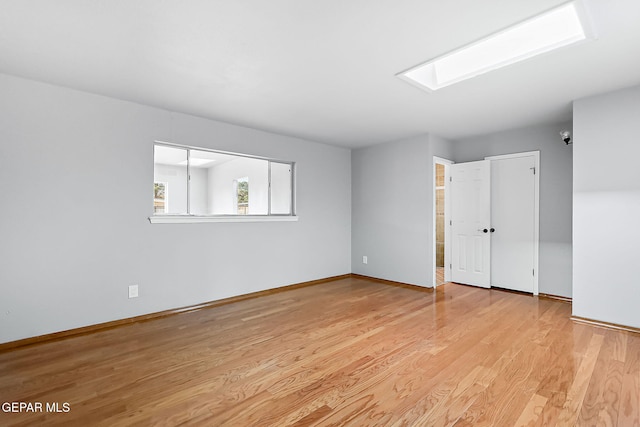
242	195
189	181
201	163
160	197
170	180
281	188
230	176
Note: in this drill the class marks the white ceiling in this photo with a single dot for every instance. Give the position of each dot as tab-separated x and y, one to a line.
323	70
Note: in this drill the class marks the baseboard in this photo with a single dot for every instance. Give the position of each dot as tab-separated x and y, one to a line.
606	325
555	297
146	317
392	283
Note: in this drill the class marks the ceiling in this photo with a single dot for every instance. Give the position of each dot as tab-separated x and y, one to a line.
319	70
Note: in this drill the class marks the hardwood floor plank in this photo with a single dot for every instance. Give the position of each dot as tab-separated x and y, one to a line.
602	399
531	413
629	410
578	389
620	347
349	352
448	410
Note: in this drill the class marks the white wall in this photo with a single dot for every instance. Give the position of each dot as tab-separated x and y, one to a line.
76	174
606	207
198	188
392	209
555	193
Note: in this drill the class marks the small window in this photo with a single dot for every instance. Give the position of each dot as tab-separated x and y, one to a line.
242	195
192	181
160	197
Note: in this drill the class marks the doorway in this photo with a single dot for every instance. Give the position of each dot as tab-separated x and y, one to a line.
441	247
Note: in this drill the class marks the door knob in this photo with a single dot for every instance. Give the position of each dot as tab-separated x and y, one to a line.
484	230
492	229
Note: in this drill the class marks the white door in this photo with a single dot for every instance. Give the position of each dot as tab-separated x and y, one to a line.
470	223
513	248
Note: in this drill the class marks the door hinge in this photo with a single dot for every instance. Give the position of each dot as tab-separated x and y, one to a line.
533	272
450	267
450	222
450	179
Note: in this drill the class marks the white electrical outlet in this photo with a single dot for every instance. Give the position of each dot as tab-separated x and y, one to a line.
364	259
133	291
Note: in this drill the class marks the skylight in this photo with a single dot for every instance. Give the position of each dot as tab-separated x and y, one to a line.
551	30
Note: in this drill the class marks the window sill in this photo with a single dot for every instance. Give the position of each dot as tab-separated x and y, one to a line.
184	219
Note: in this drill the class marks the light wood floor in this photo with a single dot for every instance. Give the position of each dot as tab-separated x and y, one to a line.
440	276
350	352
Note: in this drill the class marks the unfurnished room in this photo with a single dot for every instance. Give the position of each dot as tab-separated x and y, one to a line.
319	213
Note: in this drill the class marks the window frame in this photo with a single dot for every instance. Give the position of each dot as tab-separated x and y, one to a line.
191	218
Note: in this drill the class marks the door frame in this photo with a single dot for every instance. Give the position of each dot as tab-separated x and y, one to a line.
447	218
536	215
